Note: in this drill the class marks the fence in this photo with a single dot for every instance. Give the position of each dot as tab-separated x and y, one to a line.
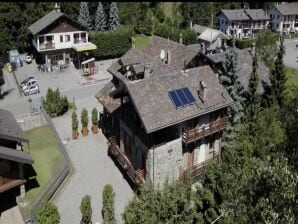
61	173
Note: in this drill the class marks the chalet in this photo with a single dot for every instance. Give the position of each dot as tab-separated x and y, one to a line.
242	23
163	115
284	18
12	156
57	38
215	61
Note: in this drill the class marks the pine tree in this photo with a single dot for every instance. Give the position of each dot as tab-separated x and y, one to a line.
113	17
278	78
100	19
253	99
84	16
230	80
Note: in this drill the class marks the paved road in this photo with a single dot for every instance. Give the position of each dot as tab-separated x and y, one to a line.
291	53
93	170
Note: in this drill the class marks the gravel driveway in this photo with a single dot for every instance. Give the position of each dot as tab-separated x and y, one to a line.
93	169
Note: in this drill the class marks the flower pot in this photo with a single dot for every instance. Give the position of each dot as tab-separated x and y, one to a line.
75	134
94	129
85	131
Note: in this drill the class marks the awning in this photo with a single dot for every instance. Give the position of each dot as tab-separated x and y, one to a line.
15	155
84	47
88	61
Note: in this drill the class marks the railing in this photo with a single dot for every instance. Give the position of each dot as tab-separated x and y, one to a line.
198	169
9	180
78	41
198	133
135	176
46	46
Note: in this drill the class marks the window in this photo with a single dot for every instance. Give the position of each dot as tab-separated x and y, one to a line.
41	40
61	38
226	22
273	16
67	38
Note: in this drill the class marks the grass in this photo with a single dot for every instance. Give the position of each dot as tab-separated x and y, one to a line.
292	75
141	41
46	155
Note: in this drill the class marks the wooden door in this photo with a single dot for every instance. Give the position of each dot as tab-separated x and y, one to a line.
127	146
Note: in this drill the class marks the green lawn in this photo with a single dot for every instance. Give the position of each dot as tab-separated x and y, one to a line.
292	74
46	155
141	41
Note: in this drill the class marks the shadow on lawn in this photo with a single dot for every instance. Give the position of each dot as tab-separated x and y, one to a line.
30	175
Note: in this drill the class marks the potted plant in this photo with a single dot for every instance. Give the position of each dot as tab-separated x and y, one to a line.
94	121
84	121
74	125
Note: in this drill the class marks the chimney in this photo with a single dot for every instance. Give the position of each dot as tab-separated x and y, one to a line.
147	70
180	39
190	25
203	48
168	57
57	7
253	48
202	91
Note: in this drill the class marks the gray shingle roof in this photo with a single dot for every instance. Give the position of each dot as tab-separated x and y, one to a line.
9	128
235	14
45	21
199	28
155	108
257	14
288	8
15	155
245	67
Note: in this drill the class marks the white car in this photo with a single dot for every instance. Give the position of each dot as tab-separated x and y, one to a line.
25	81
31	90
28	59
30	83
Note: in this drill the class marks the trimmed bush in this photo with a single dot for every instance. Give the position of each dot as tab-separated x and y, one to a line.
75	122
48	213
94	116
112	44
86	210
55	104
84	118
108	199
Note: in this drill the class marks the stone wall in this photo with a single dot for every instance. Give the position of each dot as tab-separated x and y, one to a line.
30	121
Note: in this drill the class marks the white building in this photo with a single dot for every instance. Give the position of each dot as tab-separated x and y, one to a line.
284	18
56	38
242	23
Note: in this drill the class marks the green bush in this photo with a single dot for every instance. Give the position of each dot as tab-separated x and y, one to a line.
108	199
86	210
112	44
55	104
84	118
75	122
48	213
94	116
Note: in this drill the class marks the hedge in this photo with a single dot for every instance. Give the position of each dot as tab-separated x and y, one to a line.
111	44
239	43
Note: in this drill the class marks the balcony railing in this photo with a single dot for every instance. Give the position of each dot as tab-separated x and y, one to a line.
9	180
79	41
197	169
136	176
47	46
198	133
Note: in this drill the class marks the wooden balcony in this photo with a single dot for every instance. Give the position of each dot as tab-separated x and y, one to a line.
136	176
47	46
198	169
198	133
10	180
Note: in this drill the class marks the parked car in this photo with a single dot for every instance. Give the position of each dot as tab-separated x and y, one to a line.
25	81
29	83
28	59
31	90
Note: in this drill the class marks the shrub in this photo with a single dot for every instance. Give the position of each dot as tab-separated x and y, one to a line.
108	198
48	213
55	104
84	118
94	116
112	44
86	210
75	122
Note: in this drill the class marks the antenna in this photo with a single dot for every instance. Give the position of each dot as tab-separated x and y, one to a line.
162	54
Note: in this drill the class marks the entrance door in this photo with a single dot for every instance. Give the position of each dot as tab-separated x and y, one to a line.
201	153
127	146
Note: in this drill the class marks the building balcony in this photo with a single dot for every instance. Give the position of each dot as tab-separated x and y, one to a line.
136	176
199	133
287	21
198	169
10	180
79	41
47	46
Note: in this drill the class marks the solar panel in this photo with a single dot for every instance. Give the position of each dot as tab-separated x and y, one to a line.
175	99
182	97
188	95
